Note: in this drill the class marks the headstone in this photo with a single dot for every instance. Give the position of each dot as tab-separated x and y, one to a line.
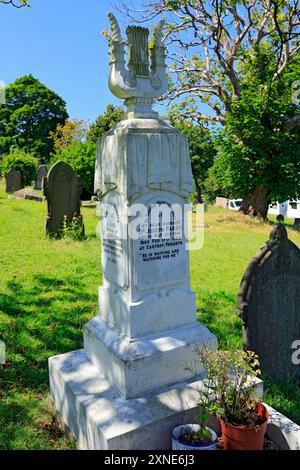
13	181
62	189
268	303
133	381
40	175
29	194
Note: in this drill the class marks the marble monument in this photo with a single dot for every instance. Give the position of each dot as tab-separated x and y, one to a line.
131	383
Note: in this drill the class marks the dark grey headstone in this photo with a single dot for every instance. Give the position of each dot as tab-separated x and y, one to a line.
13	181
62	189
40	175
269	305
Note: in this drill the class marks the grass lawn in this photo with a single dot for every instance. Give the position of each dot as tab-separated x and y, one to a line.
48	290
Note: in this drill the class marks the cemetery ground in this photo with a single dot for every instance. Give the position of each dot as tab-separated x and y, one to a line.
48	290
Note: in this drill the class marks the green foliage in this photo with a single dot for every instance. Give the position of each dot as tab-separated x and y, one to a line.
73	230
23	162
43	307
201	146
30	113
257	146
81	156
105	122
225	392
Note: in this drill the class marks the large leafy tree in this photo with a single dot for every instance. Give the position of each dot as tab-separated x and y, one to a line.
259	147
104	122
81	156
31	111
210	42
201	146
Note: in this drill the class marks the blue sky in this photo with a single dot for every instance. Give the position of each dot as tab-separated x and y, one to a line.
60	43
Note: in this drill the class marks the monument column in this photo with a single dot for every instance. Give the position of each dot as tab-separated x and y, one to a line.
138	347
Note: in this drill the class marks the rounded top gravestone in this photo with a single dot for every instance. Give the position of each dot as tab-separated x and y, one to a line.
62	189
268	303
40	175
13	181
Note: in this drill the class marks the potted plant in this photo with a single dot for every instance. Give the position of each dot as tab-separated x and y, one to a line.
194	437
229	393
199	436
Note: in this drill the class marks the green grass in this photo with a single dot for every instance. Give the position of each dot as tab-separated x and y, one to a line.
48	290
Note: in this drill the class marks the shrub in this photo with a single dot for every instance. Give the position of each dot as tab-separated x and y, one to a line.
73	230
81	156
23	162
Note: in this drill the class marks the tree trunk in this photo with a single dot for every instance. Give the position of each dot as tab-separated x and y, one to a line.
256	203
198	191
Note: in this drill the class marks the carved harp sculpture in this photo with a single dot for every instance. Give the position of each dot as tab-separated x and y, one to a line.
143	80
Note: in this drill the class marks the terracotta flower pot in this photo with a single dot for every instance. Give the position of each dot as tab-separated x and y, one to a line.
245	437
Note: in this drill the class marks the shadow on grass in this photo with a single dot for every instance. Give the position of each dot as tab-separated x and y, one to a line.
284	396
44	320
40	320
24	427
217	312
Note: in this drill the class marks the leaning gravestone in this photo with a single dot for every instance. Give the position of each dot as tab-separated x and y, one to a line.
40	175
269	305
13	181
132	383
62	189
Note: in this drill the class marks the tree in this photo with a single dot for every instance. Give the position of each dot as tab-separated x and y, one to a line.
259	147
21	161
31	111
210	43
17	3
105	122
81	156
68	133
201	146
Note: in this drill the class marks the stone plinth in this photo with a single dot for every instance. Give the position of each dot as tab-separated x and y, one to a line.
101	419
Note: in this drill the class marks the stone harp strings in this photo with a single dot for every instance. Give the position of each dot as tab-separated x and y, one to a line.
138	56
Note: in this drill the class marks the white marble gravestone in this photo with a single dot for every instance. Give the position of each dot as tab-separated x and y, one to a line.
130	385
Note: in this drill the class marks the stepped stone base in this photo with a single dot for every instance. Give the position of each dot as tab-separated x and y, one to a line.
101	419
137	366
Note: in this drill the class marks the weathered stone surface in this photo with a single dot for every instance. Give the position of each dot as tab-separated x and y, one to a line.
62	189
268	303
101	419
149	363
13	181
282	431
138	84
28	193
146	283
40	175
145	335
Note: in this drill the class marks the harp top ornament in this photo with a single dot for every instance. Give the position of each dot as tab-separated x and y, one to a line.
145	76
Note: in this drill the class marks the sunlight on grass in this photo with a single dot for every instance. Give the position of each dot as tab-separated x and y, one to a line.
48	290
